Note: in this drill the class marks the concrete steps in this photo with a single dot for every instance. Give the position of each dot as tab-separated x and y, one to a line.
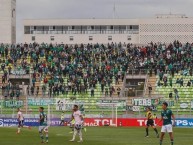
151	81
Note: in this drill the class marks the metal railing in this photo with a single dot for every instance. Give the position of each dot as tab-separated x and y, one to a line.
145	85
179	108
123	87
133	93
137	72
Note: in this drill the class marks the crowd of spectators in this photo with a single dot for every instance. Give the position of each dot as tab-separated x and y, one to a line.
85	66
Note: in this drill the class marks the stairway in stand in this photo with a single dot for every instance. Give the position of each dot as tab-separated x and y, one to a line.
116	86
151	81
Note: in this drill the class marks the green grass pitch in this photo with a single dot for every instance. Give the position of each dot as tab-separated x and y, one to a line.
94	136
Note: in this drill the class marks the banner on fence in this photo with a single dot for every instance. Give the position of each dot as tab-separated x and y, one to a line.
145	102
191	104
18	72
66	104
1	103
184	105
40	102
121	104
136	108
59	103
129	108
12	104
170	102
153	108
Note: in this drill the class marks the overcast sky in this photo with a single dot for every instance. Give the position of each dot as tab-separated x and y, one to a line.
34	9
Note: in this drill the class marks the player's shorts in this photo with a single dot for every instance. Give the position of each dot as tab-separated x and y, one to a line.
150	122
167	128
21	122
43	128
78	126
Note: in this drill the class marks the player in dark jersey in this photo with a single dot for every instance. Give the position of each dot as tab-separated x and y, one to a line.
150	122
166	117
43	127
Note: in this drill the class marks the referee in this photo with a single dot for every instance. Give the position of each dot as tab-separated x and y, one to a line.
150	122
62	119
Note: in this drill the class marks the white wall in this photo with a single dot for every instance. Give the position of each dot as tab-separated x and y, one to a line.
163	30
45	22
81	38
6	21
13	21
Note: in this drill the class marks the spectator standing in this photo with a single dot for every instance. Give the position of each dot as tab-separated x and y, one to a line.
37	91
150	89
17	94
176	95
118	91
92	91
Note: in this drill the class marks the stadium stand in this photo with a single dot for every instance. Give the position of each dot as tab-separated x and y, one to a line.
171	77
93	71
85	72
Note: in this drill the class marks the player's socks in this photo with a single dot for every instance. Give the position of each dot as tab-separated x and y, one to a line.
74	135
47	138
157	135
172	142
42	137
155	129
147	131
80	135
160	142
18	130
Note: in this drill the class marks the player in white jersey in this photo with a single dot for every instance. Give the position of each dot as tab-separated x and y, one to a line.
77	117
20	119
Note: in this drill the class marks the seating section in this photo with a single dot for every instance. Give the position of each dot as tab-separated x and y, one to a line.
184	92
65	71
94	71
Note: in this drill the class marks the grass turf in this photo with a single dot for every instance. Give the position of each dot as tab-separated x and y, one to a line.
94	136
